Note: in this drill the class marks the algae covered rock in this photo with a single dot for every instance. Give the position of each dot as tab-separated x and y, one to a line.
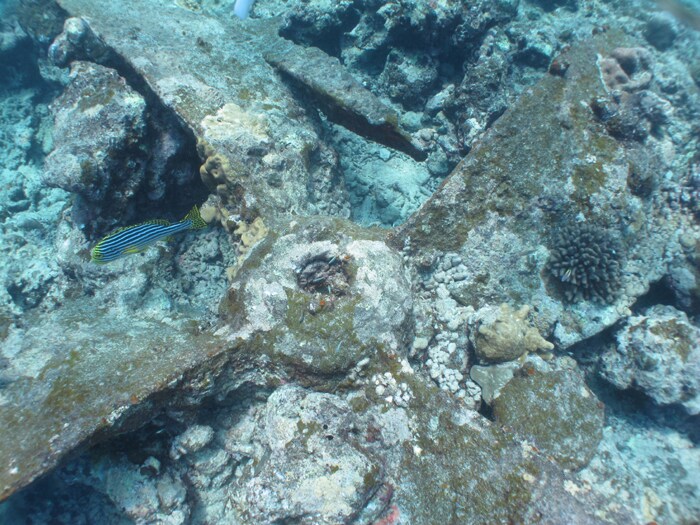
454	466
554	410
657	353
314	468
218	78
320	298
502	209
99	128
108	373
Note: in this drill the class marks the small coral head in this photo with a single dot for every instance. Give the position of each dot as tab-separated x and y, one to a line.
586	261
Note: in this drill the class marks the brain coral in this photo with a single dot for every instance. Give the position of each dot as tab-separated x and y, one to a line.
586	261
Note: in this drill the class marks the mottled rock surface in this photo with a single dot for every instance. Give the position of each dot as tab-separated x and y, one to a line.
99	129
337	382
657	353
318	467
264	177
644	467
554	410
93	381
320	299
548	161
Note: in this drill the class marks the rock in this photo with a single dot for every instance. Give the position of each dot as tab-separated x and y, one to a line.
550	5
12	37
234	100
555	411
42	18
316	469
409	78
341	98
171	493
318	24
657	353
382	188
684	281
100	128
449	30
504	334
29	283
193	439
427	490
319	299
131	490
479	98
77	42
644	468
492	378
500	209
135	362
536	49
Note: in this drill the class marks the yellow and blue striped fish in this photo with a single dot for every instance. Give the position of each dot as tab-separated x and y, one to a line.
136	238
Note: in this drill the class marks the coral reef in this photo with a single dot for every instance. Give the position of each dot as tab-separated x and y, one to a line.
586	261
286	365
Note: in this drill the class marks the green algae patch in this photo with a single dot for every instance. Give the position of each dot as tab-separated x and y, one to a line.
588	180
555	411
681	335
327	337
97	98
458	467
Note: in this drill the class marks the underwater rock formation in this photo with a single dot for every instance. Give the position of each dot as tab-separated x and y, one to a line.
265	179
286	365
331	484
554	410
319	300
658	353
500	206
99	128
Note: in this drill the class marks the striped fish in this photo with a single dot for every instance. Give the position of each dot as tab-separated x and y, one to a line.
136	238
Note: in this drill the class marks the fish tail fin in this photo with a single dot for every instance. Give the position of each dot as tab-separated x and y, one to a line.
196	219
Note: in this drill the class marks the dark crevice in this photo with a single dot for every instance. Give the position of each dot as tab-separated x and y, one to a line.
631	405
178	199
641	411
659	293
486	410
304	31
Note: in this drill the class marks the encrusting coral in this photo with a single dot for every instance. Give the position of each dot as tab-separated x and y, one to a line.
504	334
